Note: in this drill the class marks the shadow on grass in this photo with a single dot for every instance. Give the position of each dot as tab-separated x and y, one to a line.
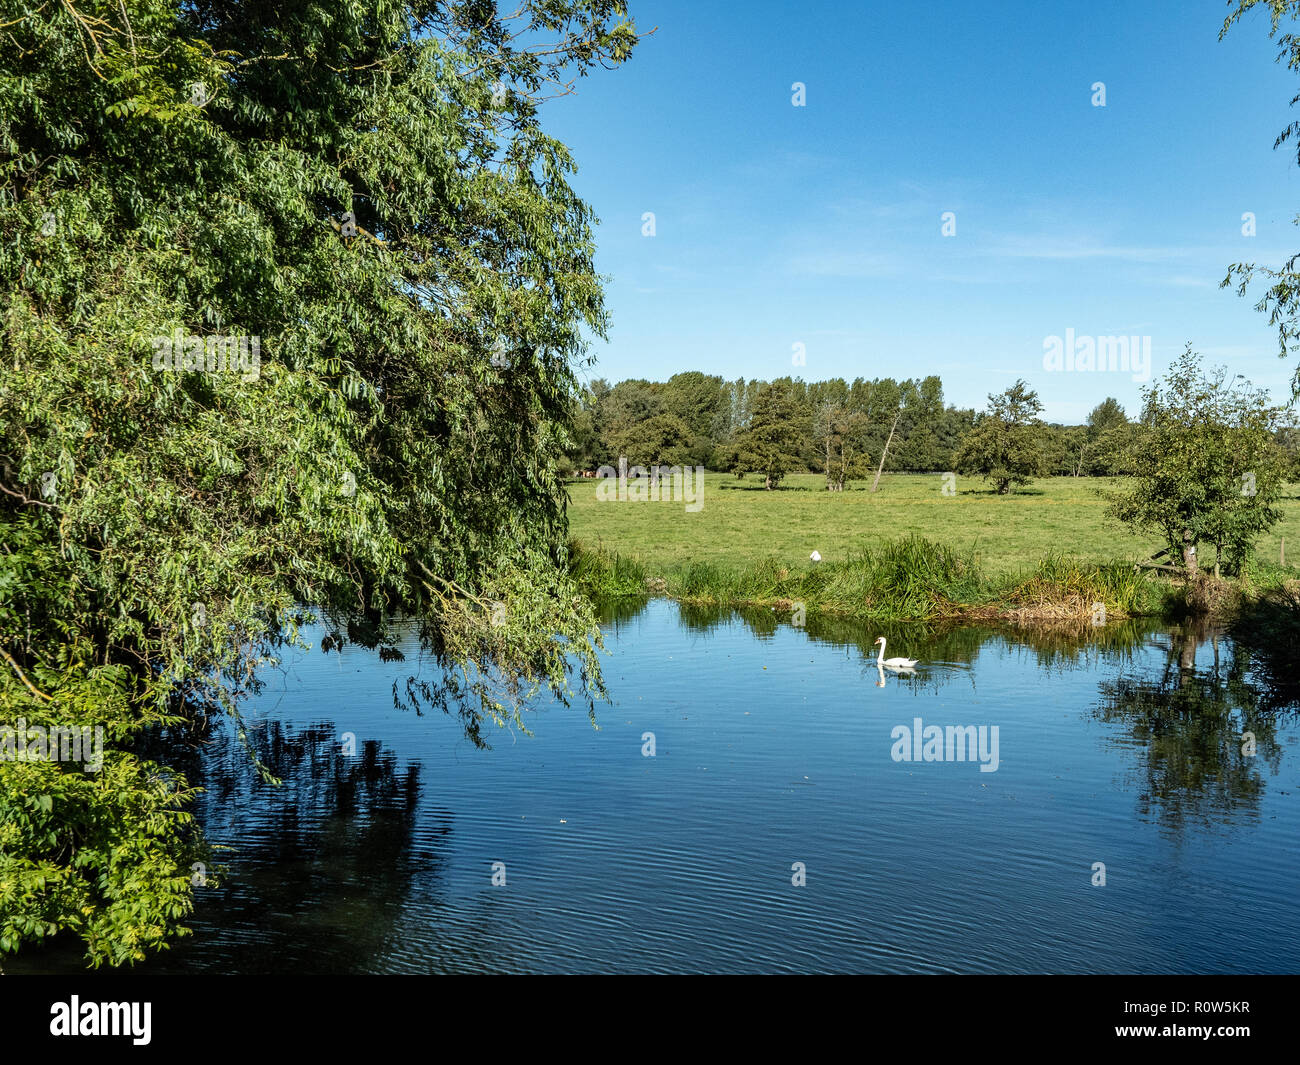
740	486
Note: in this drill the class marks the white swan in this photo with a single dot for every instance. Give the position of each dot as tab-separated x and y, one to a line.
892	663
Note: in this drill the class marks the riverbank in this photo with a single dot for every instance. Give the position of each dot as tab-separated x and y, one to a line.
914	579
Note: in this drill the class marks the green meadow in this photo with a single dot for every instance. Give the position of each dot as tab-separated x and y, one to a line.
740	523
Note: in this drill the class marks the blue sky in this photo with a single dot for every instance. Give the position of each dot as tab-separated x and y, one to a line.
821	224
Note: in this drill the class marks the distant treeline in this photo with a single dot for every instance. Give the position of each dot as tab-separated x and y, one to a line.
839	428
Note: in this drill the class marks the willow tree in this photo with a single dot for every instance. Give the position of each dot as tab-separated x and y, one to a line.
1281	297
293	301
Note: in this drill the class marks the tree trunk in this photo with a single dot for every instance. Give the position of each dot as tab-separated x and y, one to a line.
876	483
1189	556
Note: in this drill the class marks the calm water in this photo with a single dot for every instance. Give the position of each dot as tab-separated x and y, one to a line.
773	746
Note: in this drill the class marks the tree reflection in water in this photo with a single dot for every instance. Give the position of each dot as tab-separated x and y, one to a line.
325	860
1190	719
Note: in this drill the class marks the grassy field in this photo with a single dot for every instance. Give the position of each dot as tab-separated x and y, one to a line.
741	524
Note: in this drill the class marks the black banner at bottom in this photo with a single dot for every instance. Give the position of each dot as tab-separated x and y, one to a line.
212	1015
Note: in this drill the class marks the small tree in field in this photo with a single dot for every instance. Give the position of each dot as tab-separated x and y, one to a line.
662	439
1206	466
772	442
838	435
1005	446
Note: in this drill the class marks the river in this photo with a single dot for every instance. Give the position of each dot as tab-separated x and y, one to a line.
752	801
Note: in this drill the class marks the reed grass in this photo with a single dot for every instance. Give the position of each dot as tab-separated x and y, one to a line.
909	578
